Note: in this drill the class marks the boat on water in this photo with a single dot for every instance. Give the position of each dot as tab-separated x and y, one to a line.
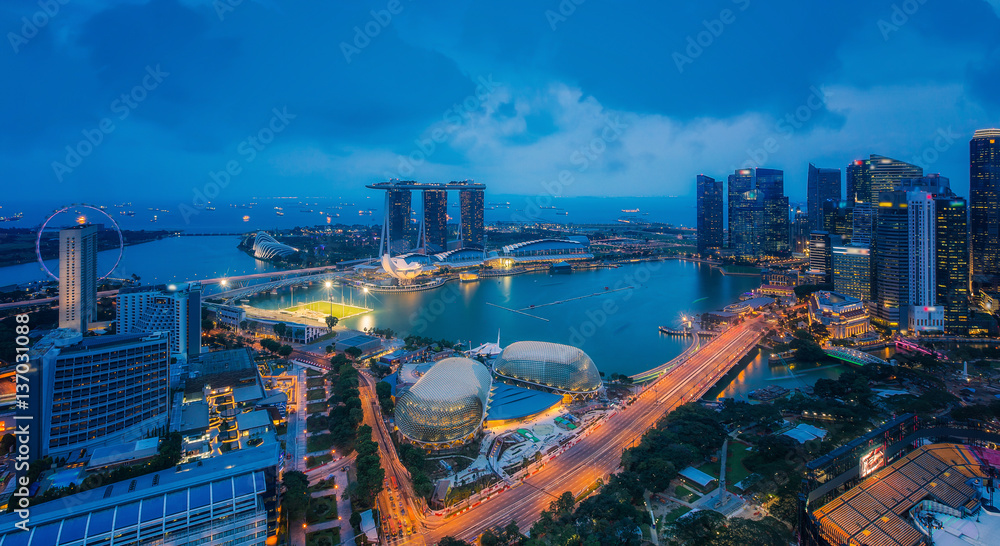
246	218
468	277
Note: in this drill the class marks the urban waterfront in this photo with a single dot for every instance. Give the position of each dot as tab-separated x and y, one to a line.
617	326
173	259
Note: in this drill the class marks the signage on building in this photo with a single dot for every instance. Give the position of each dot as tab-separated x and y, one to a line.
872	461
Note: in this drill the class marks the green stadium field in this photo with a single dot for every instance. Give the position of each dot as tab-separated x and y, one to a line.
325	308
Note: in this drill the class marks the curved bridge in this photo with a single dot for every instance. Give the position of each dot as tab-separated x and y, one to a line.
854	356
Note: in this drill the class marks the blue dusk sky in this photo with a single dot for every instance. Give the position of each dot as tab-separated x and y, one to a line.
111	100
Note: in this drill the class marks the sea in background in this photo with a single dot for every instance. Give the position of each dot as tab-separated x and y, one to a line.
263	214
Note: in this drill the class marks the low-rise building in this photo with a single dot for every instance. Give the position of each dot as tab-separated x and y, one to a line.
842	315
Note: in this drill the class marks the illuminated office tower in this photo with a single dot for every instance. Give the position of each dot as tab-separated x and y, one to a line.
800	232
823	186
838	218
472	204
885	173
863	224
436	219
758	214
710	195
77	277
746	215
954	272
771	184
892	263
820	258
859	187
852	270
984	201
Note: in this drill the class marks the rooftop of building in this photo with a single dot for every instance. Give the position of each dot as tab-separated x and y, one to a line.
981	133
875	512
834	299
141	289
510	402
252	420
123	453
203	472
91	343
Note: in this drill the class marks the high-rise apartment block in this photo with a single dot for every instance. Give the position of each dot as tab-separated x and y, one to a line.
174	309
77	277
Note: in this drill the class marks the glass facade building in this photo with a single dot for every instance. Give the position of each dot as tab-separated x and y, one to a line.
447	405
823	186
710	195
954	272
852	271
77	277
758	214
399	218
984	201
561	368
885	173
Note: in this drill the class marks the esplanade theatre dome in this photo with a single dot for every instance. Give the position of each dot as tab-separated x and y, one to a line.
559	367
447	405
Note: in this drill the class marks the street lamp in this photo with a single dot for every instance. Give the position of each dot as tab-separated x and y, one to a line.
366	297
328	285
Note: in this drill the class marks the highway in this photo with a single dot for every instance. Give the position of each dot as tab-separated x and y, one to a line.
400	504
599	453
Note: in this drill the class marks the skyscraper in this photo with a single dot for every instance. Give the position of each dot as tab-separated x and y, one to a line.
820	257
908	255
859	188
863	224
800	232
758	214
771	183
824	185
954	273
892	264
399	218
77	277
984	201
885	173
838	218
852	271
174	309
436	219
472	204
710	234
746	215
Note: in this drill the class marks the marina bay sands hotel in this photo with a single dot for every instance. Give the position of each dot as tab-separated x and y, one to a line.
397	229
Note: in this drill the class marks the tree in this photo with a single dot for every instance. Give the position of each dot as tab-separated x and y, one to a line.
331	321
243	324
6	443
296	497
329	348
285	350
280	329
355	519
452	541
353	352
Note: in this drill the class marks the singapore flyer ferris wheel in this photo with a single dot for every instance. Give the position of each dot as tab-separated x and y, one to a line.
82	219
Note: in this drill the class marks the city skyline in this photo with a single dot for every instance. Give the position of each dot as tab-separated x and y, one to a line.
527	116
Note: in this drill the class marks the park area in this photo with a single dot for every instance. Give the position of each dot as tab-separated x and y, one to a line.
322	309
